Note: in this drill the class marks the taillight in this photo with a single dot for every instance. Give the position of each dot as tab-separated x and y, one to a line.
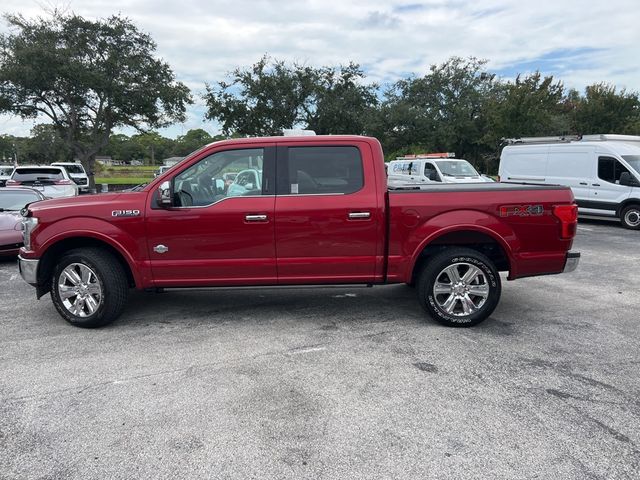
12	183
568	216
63	182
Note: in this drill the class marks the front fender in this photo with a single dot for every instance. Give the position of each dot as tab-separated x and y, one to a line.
129	242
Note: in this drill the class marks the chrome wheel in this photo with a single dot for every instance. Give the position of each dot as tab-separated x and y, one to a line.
80	290
461	289
632	217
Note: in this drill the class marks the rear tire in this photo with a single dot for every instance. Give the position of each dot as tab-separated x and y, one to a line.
459	287
630	217
89	287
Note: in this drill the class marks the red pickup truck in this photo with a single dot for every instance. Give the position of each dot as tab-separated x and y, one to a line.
295	211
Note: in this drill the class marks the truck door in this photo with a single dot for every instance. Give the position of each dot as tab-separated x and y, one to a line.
219	229
328	228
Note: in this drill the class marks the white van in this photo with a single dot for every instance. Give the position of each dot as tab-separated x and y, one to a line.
602	170
76	172
431	167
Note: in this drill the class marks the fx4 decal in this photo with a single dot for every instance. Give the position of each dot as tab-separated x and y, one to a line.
521	210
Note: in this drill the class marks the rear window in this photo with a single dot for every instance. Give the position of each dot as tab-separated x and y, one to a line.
317	170
12	200
33	174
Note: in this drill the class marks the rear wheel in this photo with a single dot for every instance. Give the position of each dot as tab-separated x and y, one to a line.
459	287
89	287
630	217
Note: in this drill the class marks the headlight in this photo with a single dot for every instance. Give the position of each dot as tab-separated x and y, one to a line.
28	224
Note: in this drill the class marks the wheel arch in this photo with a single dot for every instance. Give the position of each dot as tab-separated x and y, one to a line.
626	203
477	238
58	248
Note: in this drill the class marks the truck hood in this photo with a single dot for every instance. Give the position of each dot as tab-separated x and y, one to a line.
74	202
98	206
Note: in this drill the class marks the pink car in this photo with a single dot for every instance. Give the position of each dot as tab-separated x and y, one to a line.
12	200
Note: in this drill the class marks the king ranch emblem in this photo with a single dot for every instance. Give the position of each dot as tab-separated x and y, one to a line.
125	213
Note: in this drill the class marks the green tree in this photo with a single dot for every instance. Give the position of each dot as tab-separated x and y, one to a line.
7	149
191	141
45	146
87	77
604	110
271	96
529	106
341	103
443	111
263	99
152	145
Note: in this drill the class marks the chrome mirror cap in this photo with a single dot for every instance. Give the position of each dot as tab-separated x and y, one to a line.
164	194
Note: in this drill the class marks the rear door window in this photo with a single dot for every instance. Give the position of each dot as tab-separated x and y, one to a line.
323	170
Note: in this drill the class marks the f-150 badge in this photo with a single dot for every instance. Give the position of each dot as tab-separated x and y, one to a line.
125	213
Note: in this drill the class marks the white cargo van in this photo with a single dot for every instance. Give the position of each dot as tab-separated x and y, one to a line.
431	167
602	170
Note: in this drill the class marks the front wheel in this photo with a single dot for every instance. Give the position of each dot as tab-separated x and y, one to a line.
459	287
89	287
630	217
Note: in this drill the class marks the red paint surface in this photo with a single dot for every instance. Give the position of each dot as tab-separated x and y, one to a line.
306	239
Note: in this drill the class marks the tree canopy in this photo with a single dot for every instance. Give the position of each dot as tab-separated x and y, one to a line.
271	96
87	77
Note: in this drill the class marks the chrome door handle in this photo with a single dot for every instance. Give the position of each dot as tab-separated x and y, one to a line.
356	215
583	183
255	218
595	184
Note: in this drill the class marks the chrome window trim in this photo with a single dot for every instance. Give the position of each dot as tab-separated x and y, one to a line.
219	201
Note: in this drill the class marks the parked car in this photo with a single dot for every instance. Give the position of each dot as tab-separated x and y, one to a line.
5	174
431	167
12	200
161	170
602	170
52	182
323	214
77	173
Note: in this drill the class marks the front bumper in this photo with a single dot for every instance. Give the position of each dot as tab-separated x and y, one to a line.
573	258
28	269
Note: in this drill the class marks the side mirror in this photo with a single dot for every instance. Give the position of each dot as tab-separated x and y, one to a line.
627	180
164	195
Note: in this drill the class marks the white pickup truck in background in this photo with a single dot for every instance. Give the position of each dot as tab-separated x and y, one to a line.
428	168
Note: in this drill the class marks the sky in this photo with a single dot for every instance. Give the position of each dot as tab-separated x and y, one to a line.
580	42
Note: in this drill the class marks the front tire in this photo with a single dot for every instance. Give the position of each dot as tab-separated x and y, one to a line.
89	287
630	217
459	287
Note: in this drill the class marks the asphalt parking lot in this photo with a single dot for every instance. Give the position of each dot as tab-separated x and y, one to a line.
332	383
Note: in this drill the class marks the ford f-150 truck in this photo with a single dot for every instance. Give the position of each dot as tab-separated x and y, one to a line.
295	211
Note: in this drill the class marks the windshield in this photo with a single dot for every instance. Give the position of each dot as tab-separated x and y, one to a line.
12	200
456	168
5	171
633	161
73	168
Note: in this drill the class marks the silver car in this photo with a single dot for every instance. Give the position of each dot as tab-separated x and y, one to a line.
52	182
